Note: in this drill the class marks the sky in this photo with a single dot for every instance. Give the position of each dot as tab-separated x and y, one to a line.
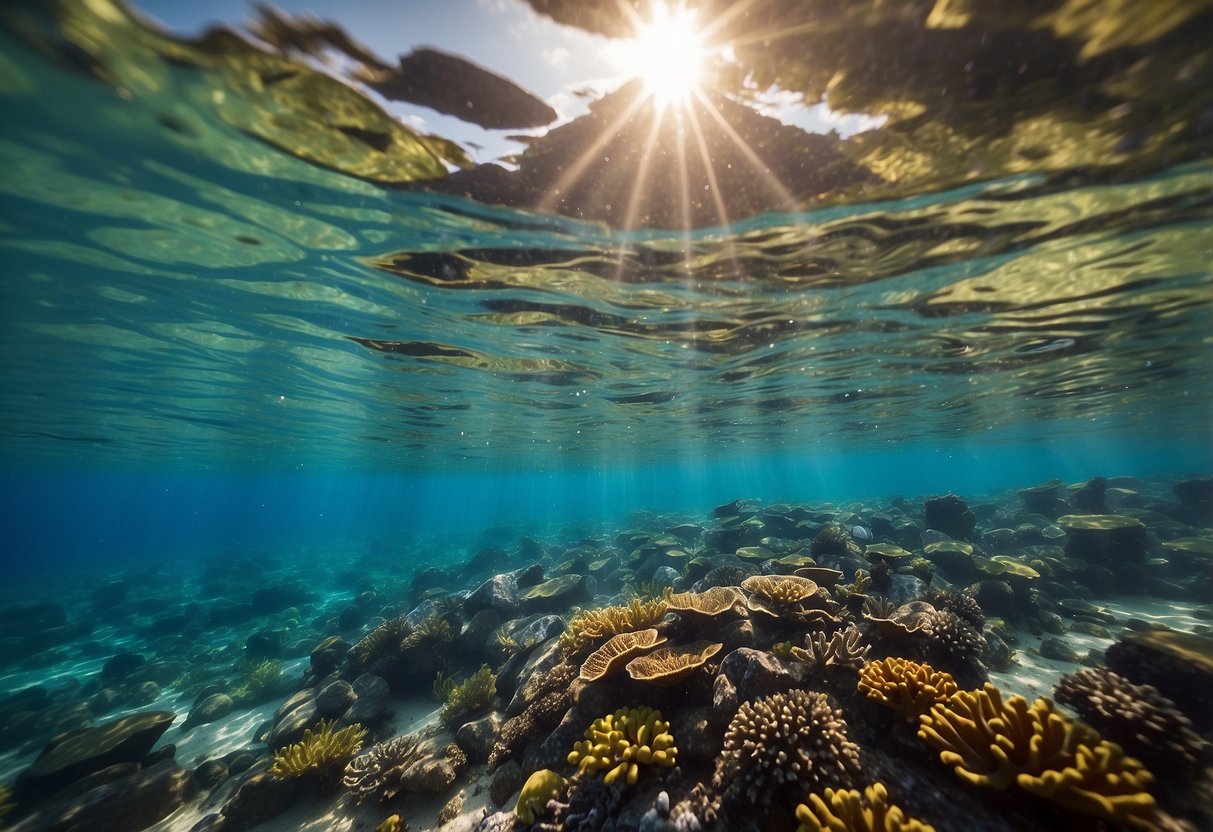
548	59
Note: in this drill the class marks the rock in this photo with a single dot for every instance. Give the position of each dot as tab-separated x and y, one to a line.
216	706
476	738
499	593
210	774
335	698
1179	664
737	634
213	822
277	598
665	576
553	750
1055	648
498	821
995	597
290	728
69	757
371	703
950	515
327	656
259	798
477	632
263	644
540	662
539	630
507	780
555	594
433	775
724	698
142	694
755	673
698	741
129	804
905	588
118	667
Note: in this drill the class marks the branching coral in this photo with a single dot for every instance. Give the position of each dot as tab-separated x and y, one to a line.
1142	720
906	686
469	696
590	626
376	773
997	743
963	606
539	788
322	752
619	743
951	637
793	737
842	649
844	811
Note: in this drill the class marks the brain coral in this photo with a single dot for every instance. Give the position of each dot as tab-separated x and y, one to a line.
844	811
791	738
618	743
997	743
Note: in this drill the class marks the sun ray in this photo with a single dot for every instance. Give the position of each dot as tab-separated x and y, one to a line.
755	161
722	213
578	168
642	172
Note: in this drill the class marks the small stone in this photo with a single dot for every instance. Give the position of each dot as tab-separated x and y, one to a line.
259	798
371	704
476	738
211	773
1055	648
216	706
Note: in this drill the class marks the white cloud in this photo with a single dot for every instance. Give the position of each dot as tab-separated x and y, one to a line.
557	58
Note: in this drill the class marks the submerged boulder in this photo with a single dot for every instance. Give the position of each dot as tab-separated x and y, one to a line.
69	757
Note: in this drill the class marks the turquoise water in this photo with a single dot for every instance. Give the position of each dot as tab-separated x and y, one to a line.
259	336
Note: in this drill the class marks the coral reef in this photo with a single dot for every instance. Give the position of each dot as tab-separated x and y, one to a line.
844	811
432	633
951	637
906	686
376	773
842	649
471	695
616	652
963	606
590	626
619	743
713	601
547	700
997	743
322	752
788	738
1143	721
540	787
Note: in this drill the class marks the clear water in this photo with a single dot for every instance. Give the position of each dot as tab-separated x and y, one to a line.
184	301
217	343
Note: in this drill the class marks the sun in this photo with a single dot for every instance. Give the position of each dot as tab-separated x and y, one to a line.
668	55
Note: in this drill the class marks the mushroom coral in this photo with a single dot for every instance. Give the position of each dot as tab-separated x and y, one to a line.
997	743
590	626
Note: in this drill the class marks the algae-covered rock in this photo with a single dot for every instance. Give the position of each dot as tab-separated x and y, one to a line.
69	757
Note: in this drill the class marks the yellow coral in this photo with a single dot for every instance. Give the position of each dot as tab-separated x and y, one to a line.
539	788
618	743
906	686
393	823
590	626
843	811
994	743
323	751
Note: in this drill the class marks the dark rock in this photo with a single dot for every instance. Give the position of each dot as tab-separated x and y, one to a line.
144	693
118	667
1055	648
1196	495
433	775
738	634
1179	664
67	758
699	740
373	696
277	598
327	656
259	798
476	633
263	644
290	728
104	700
239	762
213	822
476	738
21	619
211	773
216	706
1090	498
529	576
905	588
552	751
539	630
499	593
950	515
507	780
335	698
995	597
724	698
129	804
755	673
